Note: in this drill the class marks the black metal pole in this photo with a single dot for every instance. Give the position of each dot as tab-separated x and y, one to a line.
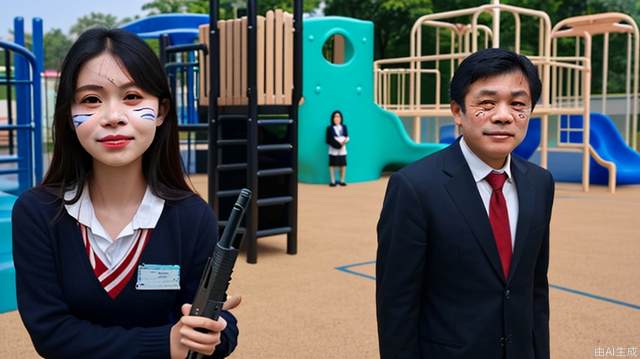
252	129
292	238
164	43
214	90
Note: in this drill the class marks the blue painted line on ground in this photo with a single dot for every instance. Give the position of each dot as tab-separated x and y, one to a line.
597	297
347	269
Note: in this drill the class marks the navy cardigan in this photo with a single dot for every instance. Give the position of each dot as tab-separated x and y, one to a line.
331	134
66	311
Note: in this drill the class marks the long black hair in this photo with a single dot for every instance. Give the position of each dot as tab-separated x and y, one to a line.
333	114
71	165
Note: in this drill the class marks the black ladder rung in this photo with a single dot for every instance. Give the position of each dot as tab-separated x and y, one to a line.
275	172
271	201
232	117
9	159
272	231
228	193
232	166
232	142
275	147
275	122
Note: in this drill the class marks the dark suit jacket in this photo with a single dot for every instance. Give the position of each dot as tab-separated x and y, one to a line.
440	291
331	134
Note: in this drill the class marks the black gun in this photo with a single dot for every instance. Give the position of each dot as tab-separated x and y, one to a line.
212	291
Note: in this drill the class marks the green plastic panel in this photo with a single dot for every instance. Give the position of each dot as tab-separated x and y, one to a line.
377	137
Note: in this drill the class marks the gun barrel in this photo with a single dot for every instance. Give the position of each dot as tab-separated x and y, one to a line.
227	239
212	291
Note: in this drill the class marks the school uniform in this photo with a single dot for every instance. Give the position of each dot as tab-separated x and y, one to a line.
82	294
337	152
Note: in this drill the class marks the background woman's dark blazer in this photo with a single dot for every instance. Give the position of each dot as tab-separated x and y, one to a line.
331	134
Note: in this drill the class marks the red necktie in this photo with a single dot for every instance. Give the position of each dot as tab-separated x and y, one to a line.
499	218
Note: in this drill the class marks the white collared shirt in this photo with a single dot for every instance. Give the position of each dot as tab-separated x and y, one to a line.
112	251
480	170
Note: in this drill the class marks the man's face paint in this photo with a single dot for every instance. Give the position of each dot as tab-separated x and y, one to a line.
496	116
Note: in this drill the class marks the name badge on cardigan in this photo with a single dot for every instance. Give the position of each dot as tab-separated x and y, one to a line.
158	277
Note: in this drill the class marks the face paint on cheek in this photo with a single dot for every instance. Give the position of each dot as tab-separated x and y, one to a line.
146	113
479	114
80	118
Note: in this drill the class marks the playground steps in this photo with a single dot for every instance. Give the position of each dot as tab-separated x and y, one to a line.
272	177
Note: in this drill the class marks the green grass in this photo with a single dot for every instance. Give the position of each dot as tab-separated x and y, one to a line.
3	93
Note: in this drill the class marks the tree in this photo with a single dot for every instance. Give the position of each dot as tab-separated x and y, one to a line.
128	19
228	8
562	9
166	6
28	38
94	19
56	46
392	20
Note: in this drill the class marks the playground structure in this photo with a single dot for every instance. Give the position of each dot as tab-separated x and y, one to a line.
566	79
252	123
21	159
21	151
254	80
378	138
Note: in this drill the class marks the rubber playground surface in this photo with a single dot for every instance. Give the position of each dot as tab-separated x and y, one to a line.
320	302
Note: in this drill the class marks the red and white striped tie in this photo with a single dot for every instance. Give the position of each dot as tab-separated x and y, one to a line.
115	279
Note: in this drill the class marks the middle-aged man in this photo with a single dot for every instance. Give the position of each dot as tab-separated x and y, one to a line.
463	237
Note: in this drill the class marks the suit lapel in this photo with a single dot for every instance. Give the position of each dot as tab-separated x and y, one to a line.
464	193
526	198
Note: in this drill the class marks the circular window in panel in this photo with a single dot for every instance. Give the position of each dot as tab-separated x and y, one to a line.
337	49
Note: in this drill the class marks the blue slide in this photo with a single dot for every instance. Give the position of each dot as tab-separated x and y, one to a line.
608	143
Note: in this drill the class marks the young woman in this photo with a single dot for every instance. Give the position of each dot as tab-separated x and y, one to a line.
337	137
110	247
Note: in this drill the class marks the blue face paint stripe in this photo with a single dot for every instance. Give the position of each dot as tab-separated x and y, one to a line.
145	108
80	118
149	115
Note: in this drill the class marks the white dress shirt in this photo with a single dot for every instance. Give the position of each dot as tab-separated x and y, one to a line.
480	170
112	251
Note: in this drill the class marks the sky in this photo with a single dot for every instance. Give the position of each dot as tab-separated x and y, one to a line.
62	13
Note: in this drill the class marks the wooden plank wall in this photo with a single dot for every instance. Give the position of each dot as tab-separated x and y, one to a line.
274	60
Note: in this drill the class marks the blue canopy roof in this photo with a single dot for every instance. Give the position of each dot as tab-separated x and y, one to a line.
181	28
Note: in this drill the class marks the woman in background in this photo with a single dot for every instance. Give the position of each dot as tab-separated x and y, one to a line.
337	137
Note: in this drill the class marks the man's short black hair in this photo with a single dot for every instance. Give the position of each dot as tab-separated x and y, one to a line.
492	62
